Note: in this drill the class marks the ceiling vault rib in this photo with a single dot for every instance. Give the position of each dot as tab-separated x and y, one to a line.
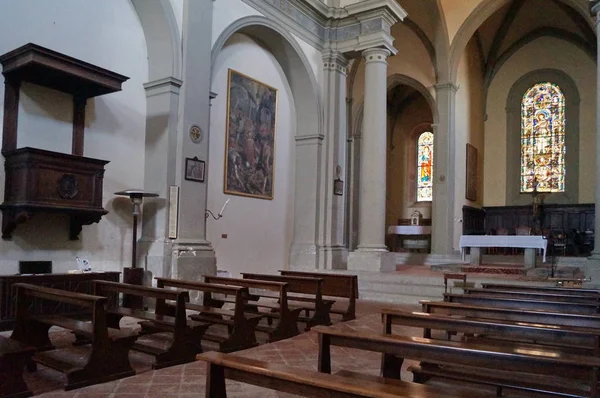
579	20
558	33
501	33
481	52
429	47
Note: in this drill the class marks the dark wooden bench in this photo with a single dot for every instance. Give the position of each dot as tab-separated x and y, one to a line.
549	289
241	326
582	339
535	295
186	335
468	361
511	314
109	355
312	289
504	302
13	358
307	383
335	285
286	318
460	276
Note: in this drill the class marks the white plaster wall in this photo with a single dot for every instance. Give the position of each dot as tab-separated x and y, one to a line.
226	12
108	34
533	56
314	57
259	232
468	129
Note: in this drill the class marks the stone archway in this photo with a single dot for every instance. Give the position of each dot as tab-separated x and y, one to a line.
393	81
309	127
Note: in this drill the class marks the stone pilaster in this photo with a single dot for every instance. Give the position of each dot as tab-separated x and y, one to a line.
332	253
154	248
444	171
192	254
372	254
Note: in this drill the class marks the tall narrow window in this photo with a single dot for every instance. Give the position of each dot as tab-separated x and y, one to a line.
543	139
425	167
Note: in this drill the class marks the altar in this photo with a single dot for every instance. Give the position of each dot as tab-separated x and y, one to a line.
411	237
530	243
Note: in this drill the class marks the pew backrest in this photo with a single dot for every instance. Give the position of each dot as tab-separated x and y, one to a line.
239	292
335	285
511	314
280	287
534	295
296	284
522	303
563	290
588	338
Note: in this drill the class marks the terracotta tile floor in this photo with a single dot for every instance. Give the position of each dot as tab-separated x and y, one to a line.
188	380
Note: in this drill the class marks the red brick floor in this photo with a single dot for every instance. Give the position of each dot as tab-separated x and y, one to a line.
188	380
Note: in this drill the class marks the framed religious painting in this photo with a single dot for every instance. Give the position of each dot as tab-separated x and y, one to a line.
250	137
471	173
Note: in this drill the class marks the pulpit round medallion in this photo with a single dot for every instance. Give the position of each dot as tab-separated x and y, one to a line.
68	188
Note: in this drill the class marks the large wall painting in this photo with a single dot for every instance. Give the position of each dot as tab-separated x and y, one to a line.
250	137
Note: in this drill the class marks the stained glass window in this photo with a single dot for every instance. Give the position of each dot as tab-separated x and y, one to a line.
543	139
425	167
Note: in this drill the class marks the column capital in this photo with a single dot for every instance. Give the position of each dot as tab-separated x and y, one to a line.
335	60
446	87
164	85
376	54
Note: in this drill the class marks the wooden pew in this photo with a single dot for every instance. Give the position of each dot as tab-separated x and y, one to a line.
535	295
241	326
470	361
13	358
511	314
492	301
334	285
549	289
187	335
287	319
312	287
109	355
584	339
307	383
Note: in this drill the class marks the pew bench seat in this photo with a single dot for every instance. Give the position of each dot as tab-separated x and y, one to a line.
13	358
502	379
84	328
306	383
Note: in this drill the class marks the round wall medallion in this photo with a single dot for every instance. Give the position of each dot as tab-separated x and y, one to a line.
68	188
195	133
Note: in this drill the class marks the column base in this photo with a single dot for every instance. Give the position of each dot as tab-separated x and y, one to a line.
303	256
333	257
372	260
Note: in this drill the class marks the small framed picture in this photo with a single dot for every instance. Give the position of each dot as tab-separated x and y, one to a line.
338	187
194	169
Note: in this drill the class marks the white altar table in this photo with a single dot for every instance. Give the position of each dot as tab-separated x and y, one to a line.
411	231
529	243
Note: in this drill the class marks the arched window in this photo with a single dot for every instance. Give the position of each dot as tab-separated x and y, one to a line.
543	139
425	167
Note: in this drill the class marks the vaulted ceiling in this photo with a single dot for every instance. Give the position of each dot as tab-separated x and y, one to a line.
523	21
509	28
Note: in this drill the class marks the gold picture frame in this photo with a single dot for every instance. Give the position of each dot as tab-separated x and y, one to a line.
250	137
471	174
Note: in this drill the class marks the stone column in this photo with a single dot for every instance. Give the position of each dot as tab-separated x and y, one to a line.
593	269
442	212
372	254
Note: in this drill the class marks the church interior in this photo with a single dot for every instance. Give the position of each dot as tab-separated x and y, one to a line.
202	197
